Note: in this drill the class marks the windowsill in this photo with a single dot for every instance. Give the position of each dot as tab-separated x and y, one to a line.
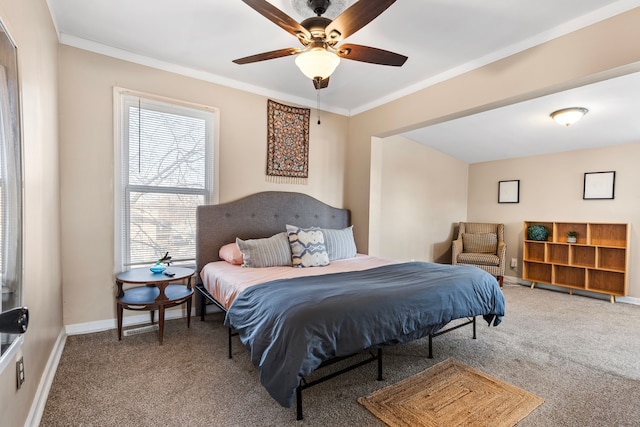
11	352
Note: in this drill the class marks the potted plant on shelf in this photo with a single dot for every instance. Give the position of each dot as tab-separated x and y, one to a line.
537	232
572	237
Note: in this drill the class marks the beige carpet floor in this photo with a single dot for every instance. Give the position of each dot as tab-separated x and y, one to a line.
581	355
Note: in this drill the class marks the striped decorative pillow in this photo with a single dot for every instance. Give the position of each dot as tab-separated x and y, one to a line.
270	252
340	243
481	243
307	247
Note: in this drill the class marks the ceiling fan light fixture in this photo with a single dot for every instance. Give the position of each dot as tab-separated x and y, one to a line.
305	8
317	62
568	116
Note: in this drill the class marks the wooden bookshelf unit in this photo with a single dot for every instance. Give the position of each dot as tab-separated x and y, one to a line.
597	262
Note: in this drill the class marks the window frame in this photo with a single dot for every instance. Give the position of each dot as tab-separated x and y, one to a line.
15	105
121	188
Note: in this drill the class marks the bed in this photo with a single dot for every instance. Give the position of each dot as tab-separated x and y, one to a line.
293	325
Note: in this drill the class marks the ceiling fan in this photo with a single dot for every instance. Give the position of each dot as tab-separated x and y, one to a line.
320	37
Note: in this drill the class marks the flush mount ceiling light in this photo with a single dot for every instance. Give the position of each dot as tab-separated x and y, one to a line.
568	116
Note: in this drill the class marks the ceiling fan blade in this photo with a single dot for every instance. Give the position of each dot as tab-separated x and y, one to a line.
355	17
320	84
268	55
372	55
279	18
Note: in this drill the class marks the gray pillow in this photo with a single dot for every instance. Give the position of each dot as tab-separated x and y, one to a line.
270	252
340	243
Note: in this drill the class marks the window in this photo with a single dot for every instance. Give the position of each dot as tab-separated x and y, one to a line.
166	169
10	190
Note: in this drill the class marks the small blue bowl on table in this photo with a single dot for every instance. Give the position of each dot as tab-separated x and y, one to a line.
158	268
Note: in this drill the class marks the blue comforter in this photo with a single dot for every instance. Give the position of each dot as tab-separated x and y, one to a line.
291	326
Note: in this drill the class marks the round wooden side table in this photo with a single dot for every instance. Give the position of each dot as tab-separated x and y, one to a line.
155	293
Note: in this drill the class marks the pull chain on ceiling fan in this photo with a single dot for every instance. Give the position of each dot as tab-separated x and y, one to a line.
320	36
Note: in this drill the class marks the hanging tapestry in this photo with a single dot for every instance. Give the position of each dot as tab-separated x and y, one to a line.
287	143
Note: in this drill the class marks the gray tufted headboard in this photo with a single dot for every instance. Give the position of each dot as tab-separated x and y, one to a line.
259	215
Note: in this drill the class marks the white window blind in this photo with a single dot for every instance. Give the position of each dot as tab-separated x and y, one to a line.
166	163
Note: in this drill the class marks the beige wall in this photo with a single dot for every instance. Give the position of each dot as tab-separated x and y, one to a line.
420	195
551	190
581	57
87	169
29	24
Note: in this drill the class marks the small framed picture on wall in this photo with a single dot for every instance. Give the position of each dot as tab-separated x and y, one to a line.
509	191
599	185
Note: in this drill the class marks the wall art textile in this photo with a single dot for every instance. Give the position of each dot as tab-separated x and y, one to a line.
287	143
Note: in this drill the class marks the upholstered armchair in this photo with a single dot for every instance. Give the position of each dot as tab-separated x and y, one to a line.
481	245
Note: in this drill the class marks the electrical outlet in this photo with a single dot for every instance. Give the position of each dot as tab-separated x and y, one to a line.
20	372
514	262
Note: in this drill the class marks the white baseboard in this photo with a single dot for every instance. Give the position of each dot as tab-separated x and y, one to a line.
628	300
512	280
44	386
107	324
140	319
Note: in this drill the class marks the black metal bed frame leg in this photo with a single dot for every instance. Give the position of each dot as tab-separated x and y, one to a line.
474	327
204	296
304	384
203	308
470	321
298	403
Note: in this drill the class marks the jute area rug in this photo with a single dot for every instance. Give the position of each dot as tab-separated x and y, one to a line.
451	394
